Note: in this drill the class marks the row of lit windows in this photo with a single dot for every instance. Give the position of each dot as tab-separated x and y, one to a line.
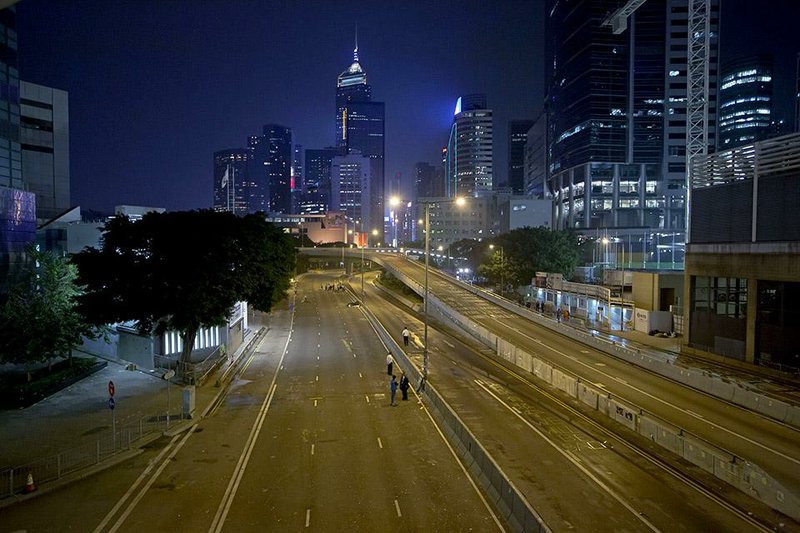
172	342
743	81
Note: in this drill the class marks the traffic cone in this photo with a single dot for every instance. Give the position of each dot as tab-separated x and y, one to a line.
29	486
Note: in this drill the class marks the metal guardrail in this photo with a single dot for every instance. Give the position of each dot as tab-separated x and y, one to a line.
54	467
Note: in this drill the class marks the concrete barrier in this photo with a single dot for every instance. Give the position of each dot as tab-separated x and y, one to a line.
663	434
587	395
625	415
700	453
565	382
542	370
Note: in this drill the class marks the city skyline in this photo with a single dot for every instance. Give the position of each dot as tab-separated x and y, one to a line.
151	102
150	106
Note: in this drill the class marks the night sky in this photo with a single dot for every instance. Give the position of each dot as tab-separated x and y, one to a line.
156	86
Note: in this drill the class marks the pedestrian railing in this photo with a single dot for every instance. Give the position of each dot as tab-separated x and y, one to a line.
16	480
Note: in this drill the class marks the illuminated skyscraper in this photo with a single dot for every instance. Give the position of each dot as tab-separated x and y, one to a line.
469	156
17	206
271	170
317	190
616	115
360	128
745	101
232	187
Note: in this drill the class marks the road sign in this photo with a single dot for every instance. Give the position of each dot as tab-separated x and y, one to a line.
111	389
111	403
169	374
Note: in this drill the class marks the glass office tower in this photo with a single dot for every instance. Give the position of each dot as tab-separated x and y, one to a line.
616	107
360	128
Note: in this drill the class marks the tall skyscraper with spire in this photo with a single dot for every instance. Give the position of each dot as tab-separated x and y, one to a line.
360	128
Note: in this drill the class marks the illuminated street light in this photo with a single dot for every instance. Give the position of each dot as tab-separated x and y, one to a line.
460	201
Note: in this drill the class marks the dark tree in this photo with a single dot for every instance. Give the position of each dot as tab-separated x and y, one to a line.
184	270
40	319
530	250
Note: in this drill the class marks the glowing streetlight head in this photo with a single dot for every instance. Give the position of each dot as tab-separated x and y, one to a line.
420	221
461	201
491	246
440	247
394	201
349	232
604	240
375	232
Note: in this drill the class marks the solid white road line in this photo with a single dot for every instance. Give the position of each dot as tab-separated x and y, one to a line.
238	473
136	483
168	460
461	464
572	460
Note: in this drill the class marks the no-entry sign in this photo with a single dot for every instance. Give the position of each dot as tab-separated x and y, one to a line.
111	388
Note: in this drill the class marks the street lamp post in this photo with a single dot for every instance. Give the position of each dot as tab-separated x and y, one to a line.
460	201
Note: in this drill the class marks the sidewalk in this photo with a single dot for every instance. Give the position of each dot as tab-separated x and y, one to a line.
75	418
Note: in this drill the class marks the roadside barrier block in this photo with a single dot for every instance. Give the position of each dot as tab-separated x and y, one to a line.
587	395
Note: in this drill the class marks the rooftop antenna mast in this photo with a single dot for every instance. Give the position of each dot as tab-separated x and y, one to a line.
355	50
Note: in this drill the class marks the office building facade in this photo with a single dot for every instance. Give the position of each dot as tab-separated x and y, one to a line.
428	180
234	190
317	189
745	101
350	182
617	120
469	156
298	177
44	141
517	137
17	206
360	125
535	169
271	169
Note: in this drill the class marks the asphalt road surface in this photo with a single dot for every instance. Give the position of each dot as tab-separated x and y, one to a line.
772	445
577	474
304	440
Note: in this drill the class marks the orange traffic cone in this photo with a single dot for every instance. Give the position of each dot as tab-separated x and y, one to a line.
29	486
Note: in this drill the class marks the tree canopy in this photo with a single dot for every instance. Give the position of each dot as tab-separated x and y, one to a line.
528	250
40	319
184	270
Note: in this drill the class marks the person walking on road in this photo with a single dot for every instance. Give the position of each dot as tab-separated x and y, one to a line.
405	336
389	362
404	385
393	387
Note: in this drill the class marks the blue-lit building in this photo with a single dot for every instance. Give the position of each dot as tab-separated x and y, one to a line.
745	101
360	128
17	206
469	155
